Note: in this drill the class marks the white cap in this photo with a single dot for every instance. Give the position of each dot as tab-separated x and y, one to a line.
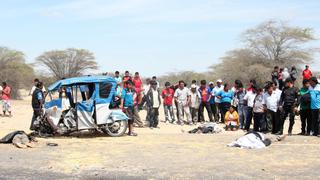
219	81
193	86
210	83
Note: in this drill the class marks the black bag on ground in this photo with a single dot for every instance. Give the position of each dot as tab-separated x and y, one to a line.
9	137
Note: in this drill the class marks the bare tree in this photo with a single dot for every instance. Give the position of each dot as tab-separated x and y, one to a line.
68	63
279	43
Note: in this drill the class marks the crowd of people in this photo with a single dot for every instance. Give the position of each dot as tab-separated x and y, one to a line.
268	105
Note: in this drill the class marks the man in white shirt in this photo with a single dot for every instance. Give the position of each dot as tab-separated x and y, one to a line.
36	81
249	98
219	87
272	99
182	96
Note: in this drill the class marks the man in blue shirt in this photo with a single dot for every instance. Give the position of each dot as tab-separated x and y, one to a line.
315	104
127	104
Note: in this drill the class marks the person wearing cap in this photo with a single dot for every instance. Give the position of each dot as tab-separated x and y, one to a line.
205	95
306	73
315	105
219	87
289	102
167	95
195	100
182	97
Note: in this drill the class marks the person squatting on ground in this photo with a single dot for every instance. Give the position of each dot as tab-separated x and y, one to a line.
153	101
182	96
167	96
127	104
231	119
205	95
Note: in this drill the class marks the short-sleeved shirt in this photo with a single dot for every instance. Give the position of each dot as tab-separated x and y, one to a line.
6	93
306	74
304	105
204	94
195	99
315	97
167	96
182	95
225	96
249	97
118	79
272	101
128	97
215	91
258	106
137	84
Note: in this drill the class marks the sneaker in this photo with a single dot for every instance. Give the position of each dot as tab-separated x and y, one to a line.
132	134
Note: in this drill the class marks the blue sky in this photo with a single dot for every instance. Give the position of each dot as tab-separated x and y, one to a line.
150	36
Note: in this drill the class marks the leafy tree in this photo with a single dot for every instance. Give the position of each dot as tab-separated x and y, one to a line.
68	63
278	43
15	71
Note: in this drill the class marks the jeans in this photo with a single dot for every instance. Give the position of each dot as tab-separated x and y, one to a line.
201	109
287	110
273	121
224	109
259	122
213	110
306	121
249	114
168	111
242	115
315	121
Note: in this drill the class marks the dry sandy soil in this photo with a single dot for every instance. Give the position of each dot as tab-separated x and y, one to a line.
165	153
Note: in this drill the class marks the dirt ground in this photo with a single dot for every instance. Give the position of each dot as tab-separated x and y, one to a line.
165	153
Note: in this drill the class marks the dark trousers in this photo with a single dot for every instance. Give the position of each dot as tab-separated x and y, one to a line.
154	117
218	111
306	121
224	109
194	114
249	115
83	95
287	111
315	121
36	114
273	121
258	124
214	111
201	109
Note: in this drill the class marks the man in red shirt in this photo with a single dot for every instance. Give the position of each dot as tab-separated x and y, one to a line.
307	74
126	78
167	95
6	106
